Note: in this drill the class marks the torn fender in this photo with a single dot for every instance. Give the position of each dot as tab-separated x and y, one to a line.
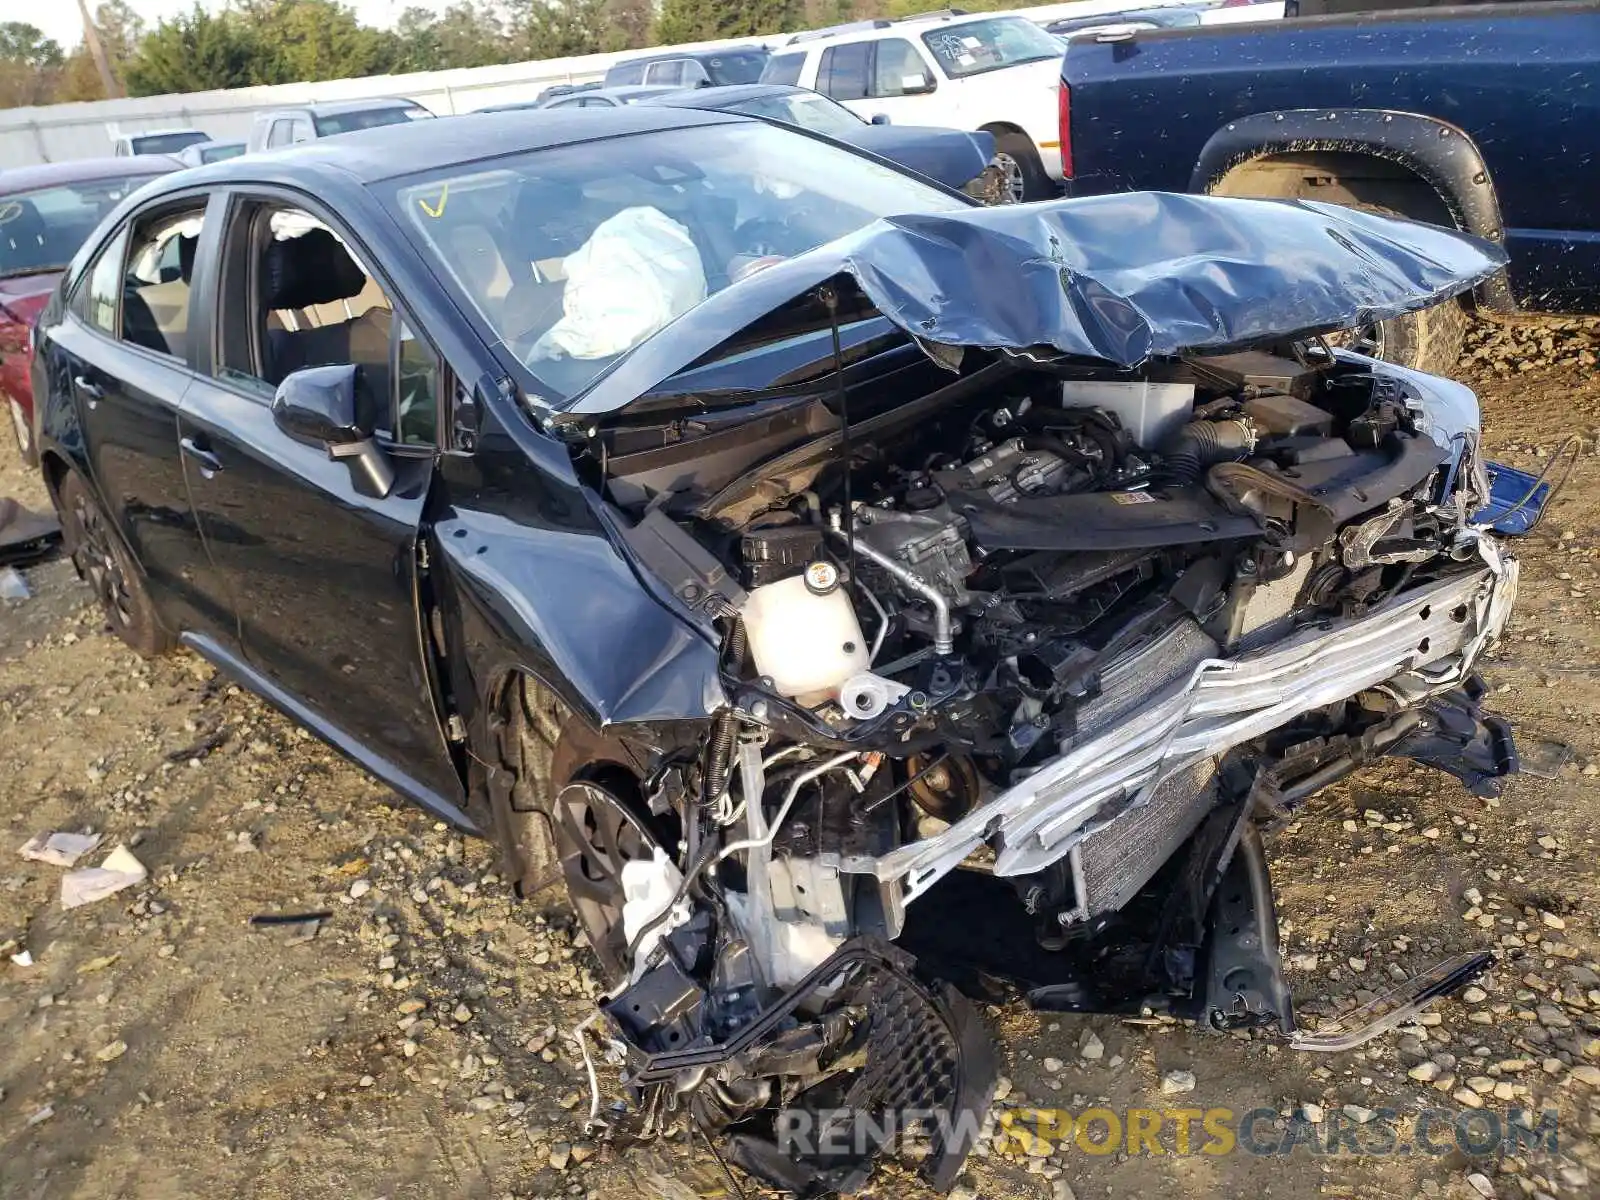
1119	278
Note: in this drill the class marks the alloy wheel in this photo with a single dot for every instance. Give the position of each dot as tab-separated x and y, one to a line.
98	562
596	836
1014	184
1362	339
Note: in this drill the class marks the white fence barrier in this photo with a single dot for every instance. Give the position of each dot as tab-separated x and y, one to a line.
52	133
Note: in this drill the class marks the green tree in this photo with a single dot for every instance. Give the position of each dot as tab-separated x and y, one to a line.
195	52
120	32
313	39
626	24
466	34
29	65
557	28
706	20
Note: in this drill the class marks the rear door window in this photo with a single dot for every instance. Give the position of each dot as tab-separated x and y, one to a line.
898	69
784	68
670	73
95	301
842	73
156	282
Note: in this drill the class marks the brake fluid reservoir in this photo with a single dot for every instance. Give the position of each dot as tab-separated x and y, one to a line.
804	635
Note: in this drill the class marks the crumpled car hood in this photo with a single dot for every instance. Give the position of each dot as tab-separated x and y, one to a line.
1121	278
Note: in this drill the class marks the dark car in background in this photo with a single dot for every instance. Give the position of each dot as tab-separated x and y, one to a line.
45	213
1480	117
304	123
692	68
846	589
953	157
596	97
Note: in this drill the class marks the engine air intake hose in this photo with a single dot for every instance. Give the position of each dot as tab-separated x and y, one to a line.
1200	444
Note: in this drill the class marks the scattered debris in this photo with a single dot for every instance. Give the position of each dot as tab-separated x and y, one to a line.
59	849
12	585
300	927
25	537
22	958
1177	1083
120	870
112	1052
40	1117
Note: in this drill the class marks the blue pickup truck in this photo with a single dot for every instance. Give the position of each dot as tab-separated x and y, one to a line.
1485	117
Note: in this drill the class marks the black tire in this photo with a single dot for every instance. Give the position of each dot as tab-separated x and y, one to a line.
1029	176
1429	340
102	562
575	816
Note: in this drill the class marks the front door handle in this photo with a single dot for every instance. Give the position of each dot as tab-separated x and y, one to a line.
210	464
92	392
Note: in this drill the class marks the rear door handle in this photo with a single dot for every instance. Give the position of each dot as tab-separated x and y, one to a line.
210	464
92	392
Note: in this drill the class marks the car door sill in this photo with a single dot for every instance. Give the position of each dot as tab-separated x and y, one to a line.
408	786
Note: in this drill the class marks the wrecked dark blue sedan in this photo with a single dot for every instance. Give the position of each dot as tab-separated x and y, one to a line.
851	594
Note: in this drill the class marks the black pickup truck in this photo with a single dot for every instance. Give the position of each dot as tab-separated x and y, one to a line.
1482	116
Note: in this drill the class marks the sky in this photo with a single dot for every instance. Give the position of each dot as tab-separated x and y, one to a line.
59	18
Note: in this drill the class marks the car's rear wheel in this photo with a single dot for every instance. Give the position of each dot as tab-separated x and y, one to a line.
107	568
1018	160
23	429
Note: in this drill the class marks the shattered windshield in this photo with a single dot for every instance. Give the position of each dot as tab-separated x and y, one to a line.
571	259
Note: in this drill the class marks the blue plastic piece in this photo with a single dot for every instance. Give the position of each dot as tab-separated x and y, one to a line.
1507	487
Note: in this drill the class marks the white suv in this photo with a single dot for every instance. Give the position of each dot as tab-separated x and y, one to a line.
996	73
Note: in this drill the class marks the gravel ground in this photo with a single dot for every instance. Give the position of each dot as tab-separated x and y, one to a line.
419	1044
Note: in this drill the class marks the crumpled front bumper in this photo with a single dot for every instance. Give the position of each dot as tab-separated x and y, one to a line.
1425	640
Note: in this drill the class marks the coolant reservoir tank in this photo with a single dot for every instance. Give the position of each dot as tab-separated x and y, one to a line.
804	635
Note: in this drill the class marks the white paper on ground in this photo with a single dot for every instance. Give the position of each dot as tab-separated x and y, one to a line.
59	849
120	870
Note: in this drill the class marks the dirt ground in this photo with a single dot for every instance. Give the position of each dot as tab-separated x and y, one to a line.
160	1046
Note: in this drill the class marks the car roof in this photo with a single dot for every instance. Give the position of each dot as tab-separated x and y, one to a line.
870	30
335	107
81	170
622	91
695	54
733	93
371	155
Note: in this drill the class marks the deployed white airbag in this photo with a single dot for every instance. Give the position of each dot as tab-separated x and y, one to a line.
638	271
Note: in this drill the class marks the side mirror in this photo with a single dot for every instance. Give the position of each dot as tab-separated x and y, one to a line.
317	406
917	85
880	119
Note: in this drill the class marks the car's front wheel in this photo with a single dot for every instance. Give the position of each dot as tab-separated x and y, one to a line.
108	569
575	817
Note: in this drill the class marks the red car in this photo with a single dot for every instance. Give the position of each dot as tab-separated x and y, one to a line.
45	214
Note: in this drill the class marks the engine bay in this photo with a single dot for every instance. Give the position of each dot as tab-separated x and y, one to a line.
1049	640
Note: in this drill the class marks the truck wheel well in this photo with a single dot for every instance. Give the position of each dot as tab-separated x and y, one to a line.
999	127
1339	178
